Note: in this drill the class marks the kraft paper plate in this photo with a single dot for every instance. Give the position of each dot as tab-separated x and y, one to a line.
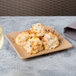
64	44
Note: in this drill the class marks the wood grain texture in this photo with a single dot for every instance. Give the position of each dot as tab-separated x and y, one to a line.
64	44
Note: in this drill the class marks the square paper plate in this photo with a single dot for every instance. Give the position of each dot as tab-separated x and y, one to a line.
64	44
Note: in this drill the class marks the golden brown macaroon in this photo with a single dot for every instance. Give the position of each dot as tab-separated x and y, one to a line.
50	41
22	38
38	29
33	45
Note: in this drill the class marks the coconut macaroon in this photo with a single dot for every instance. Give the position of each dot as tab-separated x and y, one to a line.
36	39
50	41
38	29
22	38
33	45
